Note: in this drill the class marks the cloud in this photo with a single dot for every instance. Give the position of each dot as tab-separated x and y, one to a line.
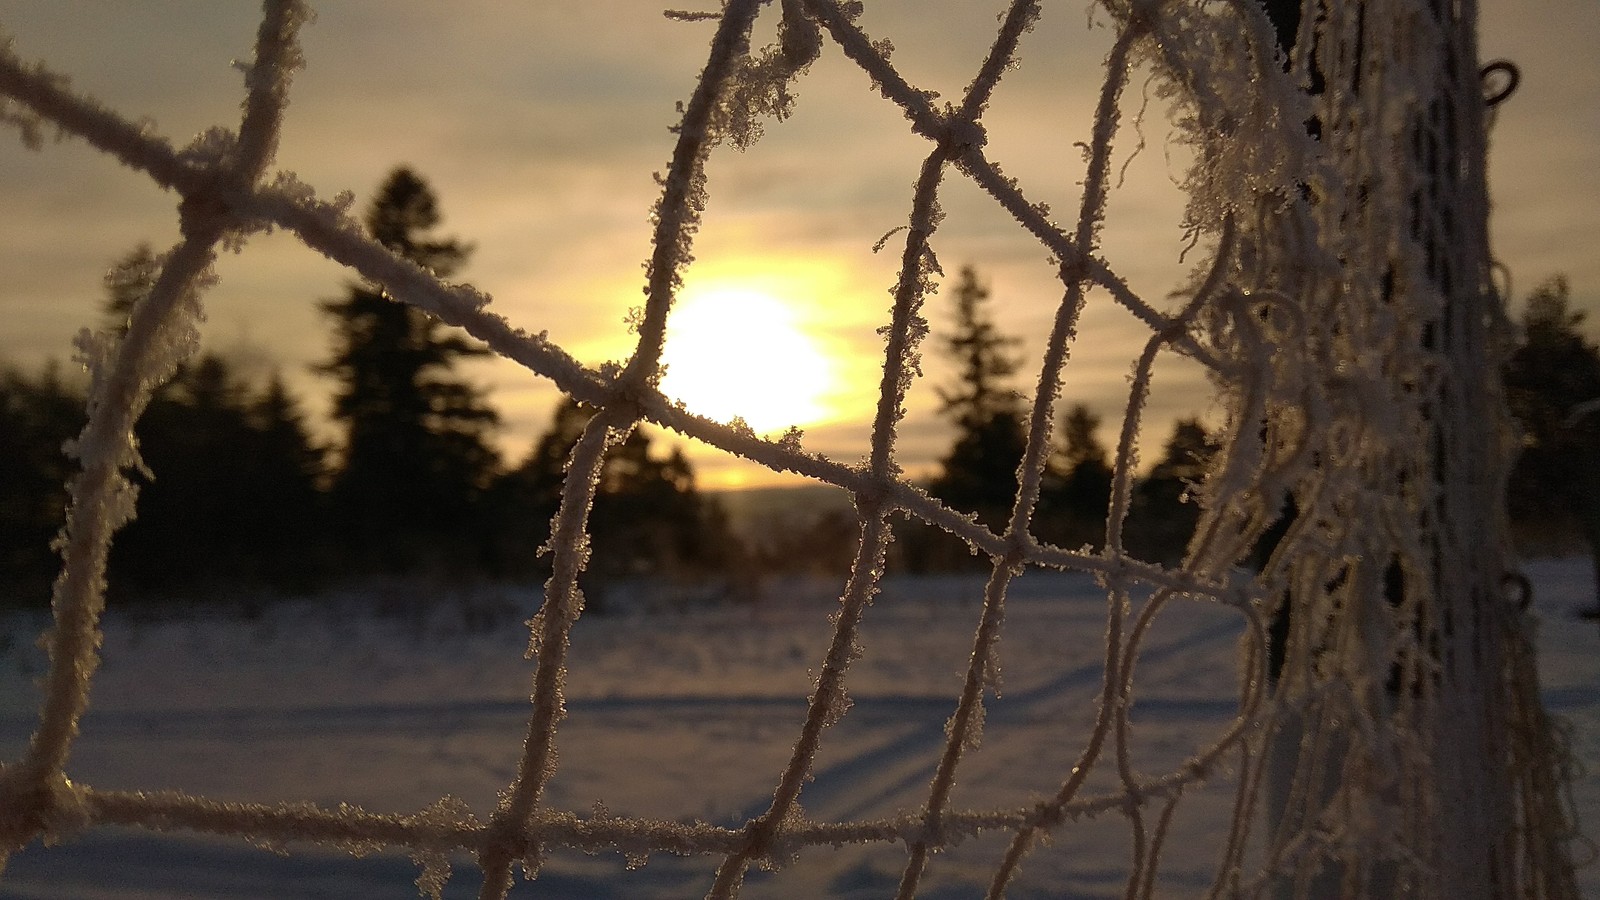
540	127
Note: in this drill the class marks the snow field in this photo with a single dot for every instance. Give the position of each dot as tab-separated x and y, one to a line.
681	716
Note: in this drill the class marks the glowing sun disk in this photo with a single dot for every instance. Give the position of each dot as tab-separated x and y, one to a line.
733	352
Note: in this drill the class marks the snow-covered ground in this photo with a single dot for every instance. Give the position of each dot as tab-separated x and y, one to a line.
674	714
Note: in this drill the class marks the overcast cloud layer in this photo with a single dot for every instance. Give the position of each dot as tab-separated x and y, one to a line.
540	129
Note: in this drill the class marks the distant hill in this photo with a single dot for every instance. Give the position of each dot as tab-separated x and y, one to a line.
752	511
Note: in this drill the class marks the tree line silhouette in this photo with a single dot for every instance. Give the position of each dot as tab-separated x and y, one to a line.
979	473
237	494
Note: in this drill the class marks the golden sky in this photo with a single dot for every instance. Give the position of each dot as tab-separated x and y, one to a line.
540	128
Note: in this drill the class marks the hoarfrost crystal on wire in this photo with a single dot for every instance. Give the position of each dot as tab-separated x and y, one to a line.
1354	362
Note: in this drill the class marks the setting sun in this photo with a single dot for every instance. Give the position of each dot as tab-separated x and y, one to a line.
734	351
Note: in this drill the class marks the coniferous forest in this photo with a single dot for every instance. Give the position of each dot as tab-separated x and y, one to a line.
236	493
238	496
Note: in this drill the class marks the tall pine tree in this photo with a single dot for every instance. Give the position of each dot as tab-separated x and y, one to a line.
1163	519
1077	487
417	454
1553	388
234	499
38	415
648	516
979	474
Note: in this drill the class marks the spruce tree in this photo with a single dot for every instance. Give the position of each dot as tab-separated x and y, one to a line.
1163	519
38	415
1553	387
417	454
1077	488
979	474
229	495
289	524
192	531
648	516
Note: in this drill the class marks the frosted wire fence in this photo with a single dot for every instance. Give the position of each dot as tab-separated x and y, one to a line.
1346	315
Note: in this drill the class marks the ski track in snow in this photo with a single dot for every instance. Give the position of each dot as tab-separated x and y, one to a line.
672	715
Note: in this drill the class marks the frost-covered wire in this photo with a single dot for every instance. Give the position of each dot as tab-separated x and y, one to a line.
1347	317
